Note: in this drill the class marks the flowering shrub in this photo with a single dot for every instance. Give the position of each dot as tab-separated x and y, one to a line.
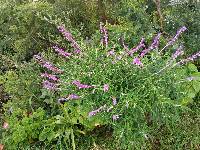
107	85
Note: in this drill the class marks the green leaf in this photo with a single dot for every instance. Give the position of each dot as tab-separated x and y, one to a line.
186	101
192	68
196	86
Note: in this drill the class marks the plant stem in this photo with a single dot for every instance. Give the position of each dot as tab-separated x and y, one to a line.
73	142
157	2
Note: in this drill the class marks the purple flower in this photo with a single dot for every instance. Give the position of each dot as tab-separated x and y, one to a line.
114	100
137	62
61	51
39	59
181	30
68	36
76	82
194	56
94	112
101	31
171	42
178	53
51	67
47	65
73	96
156	41
65	33
105	87
101	27
77	51
49	85
191	58
115	117
104	31
84	86
76	47
49	76
81	86
135	49
154	45
111	53
105	36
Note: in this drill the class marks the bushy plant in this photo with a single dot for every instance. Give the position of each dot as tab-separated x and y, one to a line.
103	89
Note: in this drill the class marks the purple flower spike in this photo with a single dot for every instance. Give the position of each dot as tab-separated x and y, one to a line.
154	45
47	64
94	112
49	85
173	40
39	59
178	52
135	49
84	86
76	82
77	51
181	30
81	86
68	37
105	36
106	88
137	62
61	51
103	30
49	76
51	67
73	96
66	34
115	117
101	27
191	58
156	41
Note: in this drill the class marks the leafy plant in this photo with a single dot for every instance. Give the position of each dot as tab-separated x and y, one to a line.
101	86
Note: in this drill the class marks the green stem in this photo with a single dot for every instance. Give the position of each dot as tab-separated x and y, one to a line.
73	142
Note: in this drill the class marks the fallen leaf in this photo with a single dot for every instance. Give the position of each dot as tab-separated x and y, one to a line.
1	147
5	125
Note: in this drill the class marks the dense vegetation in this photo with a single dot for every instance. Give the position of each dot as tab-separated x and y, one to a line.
97	74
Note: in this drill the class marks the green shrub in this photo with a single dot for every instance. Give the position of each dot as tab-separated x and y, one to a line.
102	97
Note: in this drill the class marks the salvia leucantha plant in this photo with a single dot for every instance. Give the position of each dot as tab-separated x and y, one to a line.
110	84
104	82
